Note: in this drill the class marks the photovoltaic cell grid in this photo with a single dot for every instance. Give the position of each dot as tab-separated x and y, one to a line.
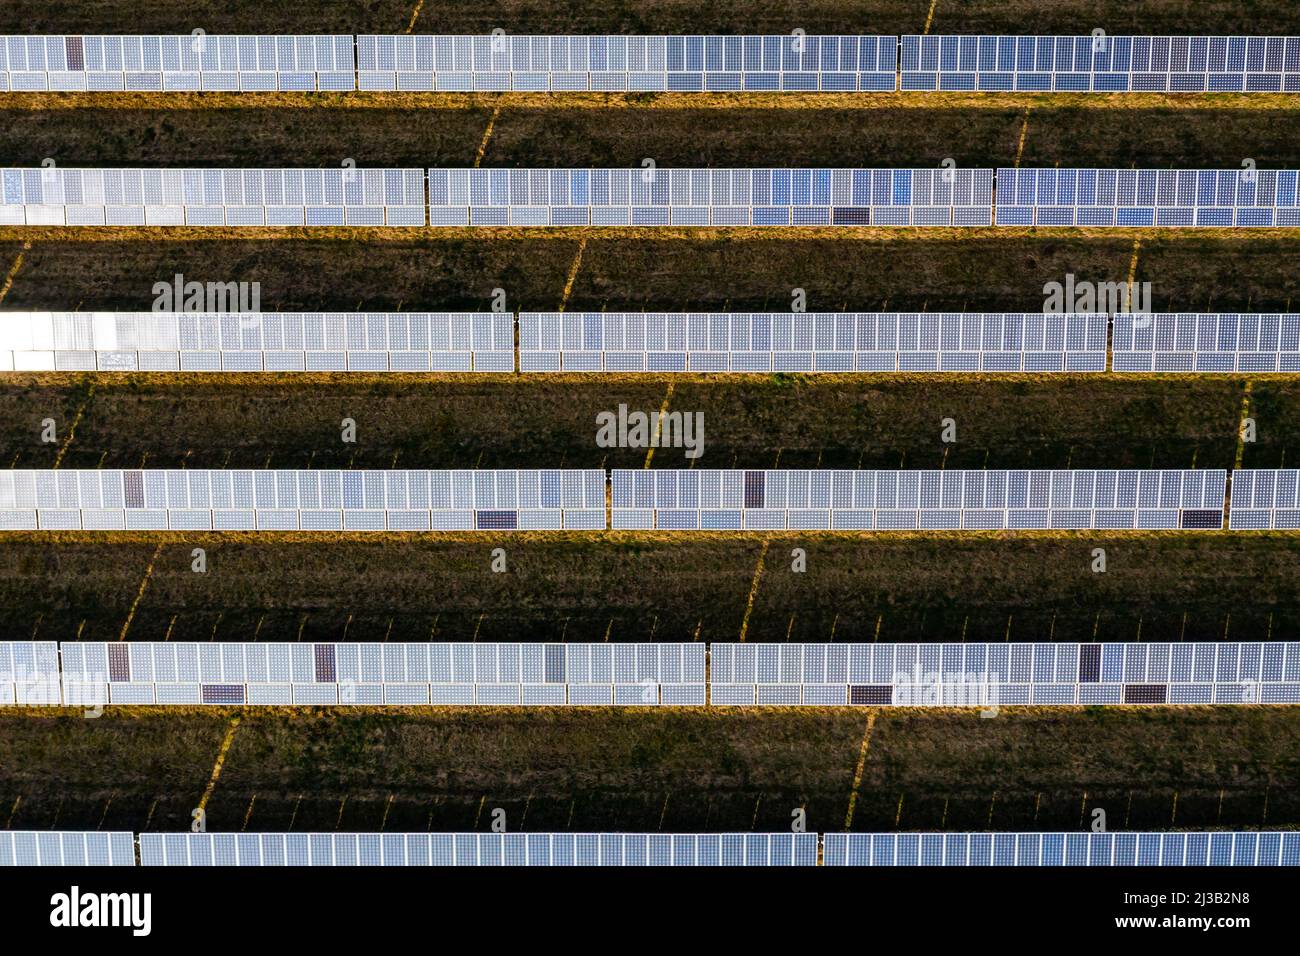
182	63
1100	64
811	342
1147	197
986	675
710	197
212	197
228	500
257	341
383	674
1207	342
66	848
628	63
478	849
733	500
1062	849
1265	498
29	672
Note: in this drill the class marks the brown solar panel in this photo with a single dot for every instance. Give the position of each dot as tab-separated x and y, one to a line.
871	693
1146	693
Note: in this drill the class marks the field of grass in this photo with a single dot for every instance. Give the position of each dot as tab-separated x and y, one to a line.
651	587
646	770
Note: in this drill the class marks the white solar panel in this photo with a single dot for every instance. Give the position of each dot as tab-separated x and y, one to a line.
628	63
1147	197
479	849
703	197
66	848
1100	64
1219	848
705	499
504	500
1264	499
257	341
812	342
378	674
182	63
212	197
991	675
1207	342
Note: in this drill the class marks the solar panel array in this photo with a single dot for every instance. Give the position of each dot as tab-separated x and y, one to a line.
733	500
628	63
53	196
29	672
1100	64
66	848
649	197
1221	848
1265	498
184	63
576	674
652	63
1147	197
258	341
478	849
710	197
230	500
1207	342
383	674
811	342
985	675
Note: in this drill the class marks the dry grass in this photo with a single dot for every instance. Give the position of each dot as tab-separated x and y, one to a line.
1263	102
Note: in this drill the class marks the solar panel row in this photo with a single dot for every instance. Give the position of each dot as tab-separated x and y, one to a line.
238	500
678	500
650	197
257	341
987	675
1222	848
377	674
628	63
1147	197
795	62
1100	63
57	196
811	342
657	342
478	849
1265	499
1180	848
66	848
654	196
181	63
914	675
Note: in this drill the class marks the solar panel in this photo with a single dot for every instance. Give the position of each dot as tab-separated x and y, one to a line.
1147	197
29	672
1207	342
479	849
218	62
66	848
812	342
212	197
1264	499
991	675
1100	64
382	674
257	341
704	499
307	500
703	197
628	63
1220	848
